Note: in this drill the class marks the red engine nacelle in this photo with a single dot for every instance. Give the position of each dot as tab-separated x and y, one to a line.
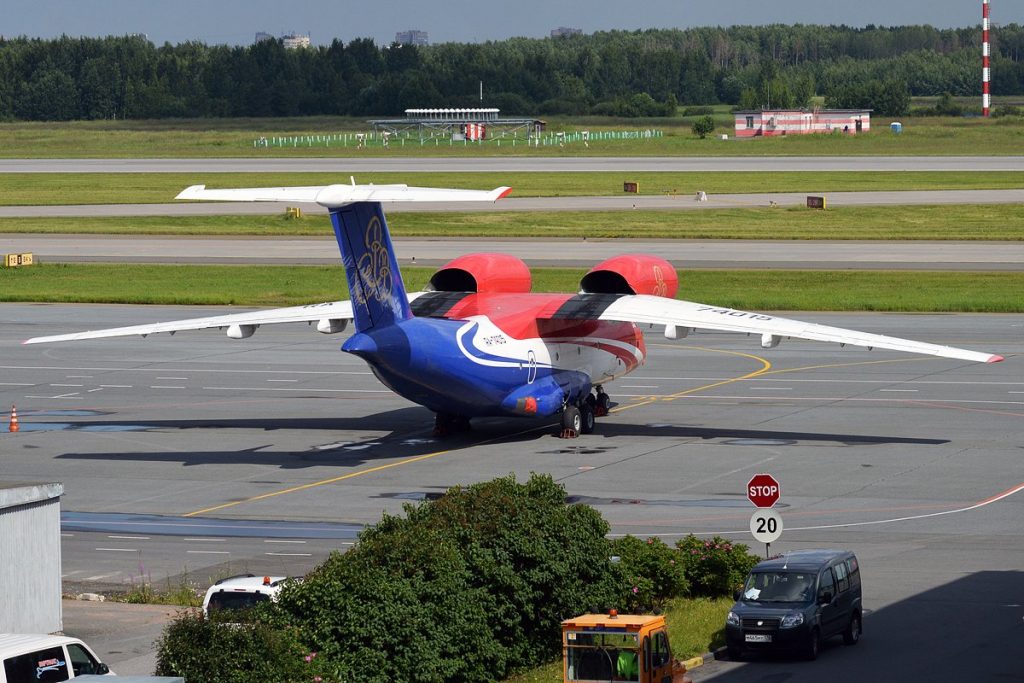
632	274
483	273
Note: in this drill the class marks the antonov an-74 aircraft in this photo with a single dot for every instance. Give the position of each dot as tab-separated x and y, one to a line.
477	342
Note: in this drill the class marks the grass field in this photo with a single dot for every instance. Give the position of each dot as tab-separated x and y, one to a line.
1003	222
983	292
44	189
234	138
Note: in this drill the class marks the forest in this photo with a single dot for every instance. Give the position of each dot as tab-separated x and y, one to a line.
619	73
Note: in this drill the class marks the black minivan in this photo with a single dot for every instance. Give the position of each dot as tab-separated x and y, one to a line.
795	601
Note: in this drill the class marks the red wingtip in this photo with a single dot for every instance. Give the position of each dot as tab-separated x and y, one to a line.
506	193
995	359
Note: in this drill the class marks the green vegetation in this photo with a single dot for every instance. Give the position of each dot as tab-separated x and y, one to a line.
1004	222
188	138
43	189
457	589
981	292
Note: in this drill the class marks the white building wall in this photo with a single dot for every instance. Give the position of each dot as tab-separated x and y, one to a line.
30	560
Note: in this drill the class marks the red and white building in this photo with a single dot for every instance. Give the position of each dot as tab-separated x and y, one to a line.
768	122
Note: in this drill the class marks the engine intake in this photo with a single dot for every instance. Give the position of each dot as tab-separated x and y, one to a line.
632	274
482	273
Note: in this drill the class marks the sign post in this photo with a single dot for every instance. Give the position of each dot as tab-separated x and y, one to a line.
763	490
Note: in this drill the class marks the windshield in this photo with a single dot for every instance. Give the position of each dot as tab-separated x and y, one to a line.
781	586
226	600
602	656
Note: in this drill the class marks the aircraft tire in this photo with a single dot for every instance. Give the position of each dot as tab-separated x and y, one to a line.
571	419
586	418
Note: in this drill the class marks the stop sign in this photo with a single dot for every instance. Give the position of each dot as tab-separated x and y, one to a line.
763	490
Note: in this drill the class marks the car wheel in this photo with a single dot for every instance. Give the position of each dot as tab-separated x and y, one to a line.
851	636
813	646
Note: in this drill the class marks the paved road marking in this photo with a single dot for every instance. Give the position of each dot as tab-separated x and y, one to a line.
205	540
290	554
131	538
208	552
165	386
276	540
119	550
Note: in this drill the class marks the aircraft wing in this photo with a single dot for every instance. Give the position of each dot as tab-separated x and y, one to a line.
685	315
332	196
328	316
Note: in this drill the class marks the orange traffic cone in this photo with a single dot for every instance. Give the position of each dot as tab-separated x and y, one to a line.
13	427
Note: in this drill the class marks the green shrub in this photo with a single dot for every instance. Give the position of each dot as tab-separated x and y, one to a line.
204	651
714	567
703	126
651	571
698	111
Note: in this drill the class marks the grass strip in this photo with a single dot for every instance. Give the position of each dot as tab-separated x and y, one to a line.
1001	222
257	285
197	138
695	626
48	189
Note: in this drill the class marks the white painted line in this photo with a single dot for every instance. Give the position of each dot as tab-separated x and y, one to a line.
79	377
77	571
164	386
282	380
67	385
290	554
92	390
208	552
131	538
97	577
205	540
274	540
182	378
67	535
910	391
17	384
116	386
119	550
71	397
319	391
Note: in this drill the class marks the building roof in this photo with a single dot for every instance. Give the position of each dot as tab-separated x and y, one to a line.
13	493
803	111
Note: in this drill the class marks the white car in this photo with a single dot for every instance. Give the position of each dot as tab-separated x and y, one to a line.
241	592
43	658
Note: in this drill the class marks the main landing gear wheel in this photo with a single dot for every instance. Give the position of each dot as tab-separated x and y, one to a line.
572	422
586	417
602	403
446	424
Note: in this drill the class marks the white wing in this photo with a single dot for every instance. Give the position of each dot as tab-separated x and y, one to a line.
329	317
332	196
687	314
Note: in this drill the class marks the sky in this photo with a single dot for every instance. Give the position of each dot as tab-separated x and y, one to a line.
235	22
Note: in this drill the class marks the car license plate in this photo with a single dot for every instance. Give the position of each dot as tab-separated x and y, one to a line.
758	638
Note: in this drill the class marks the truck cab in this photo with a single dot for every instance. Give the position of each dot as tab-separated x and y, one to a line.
598	648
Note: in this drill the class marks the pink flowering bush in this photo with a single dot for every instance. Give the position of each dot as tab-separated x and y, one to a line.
650	573
714	567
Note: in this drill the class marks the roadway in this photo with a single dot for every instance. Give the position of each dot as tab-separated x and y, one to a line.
685	254
528	162
899	457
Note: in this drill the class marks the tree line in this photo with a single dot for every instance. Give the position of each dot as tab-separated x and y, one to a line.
620	73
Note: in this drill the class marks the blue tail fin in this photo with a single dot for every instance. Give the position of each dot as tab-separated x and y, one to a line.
374	281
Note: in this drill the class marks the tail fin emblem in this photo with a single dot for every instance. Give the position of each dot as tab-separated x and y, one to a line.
374	267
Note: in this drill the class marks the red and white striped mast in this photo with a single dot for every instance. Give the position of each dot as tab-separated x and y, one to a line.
986	52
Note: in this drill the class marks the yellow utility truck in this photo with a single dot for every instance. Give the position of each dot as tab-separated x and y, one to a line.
600	648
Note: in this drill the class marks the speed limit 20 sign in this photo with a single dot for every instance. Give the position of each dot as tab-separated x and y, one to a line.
766	525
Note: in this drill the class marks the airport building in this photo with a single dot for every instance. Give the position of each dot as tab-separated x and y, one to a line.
30	572
412	37
768	122
458	123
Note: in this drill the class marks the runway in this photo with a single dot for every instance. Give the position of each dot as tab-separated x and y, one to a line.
913	462
685	254
666	202
525	162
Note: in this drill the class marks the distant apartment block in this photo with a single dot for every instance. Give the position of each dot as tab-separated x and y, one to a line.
412	37
290	40
564	31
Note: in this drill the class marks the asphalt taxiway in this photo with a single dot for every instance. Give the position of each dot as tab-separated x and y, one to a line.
913	462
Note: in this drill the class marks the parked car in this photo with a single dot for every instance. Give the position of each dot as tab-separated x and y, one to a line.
794	602
241	592
43	659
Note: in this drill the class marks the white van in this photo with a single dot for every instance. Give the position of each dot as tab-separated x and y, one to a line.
241	592
43	659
